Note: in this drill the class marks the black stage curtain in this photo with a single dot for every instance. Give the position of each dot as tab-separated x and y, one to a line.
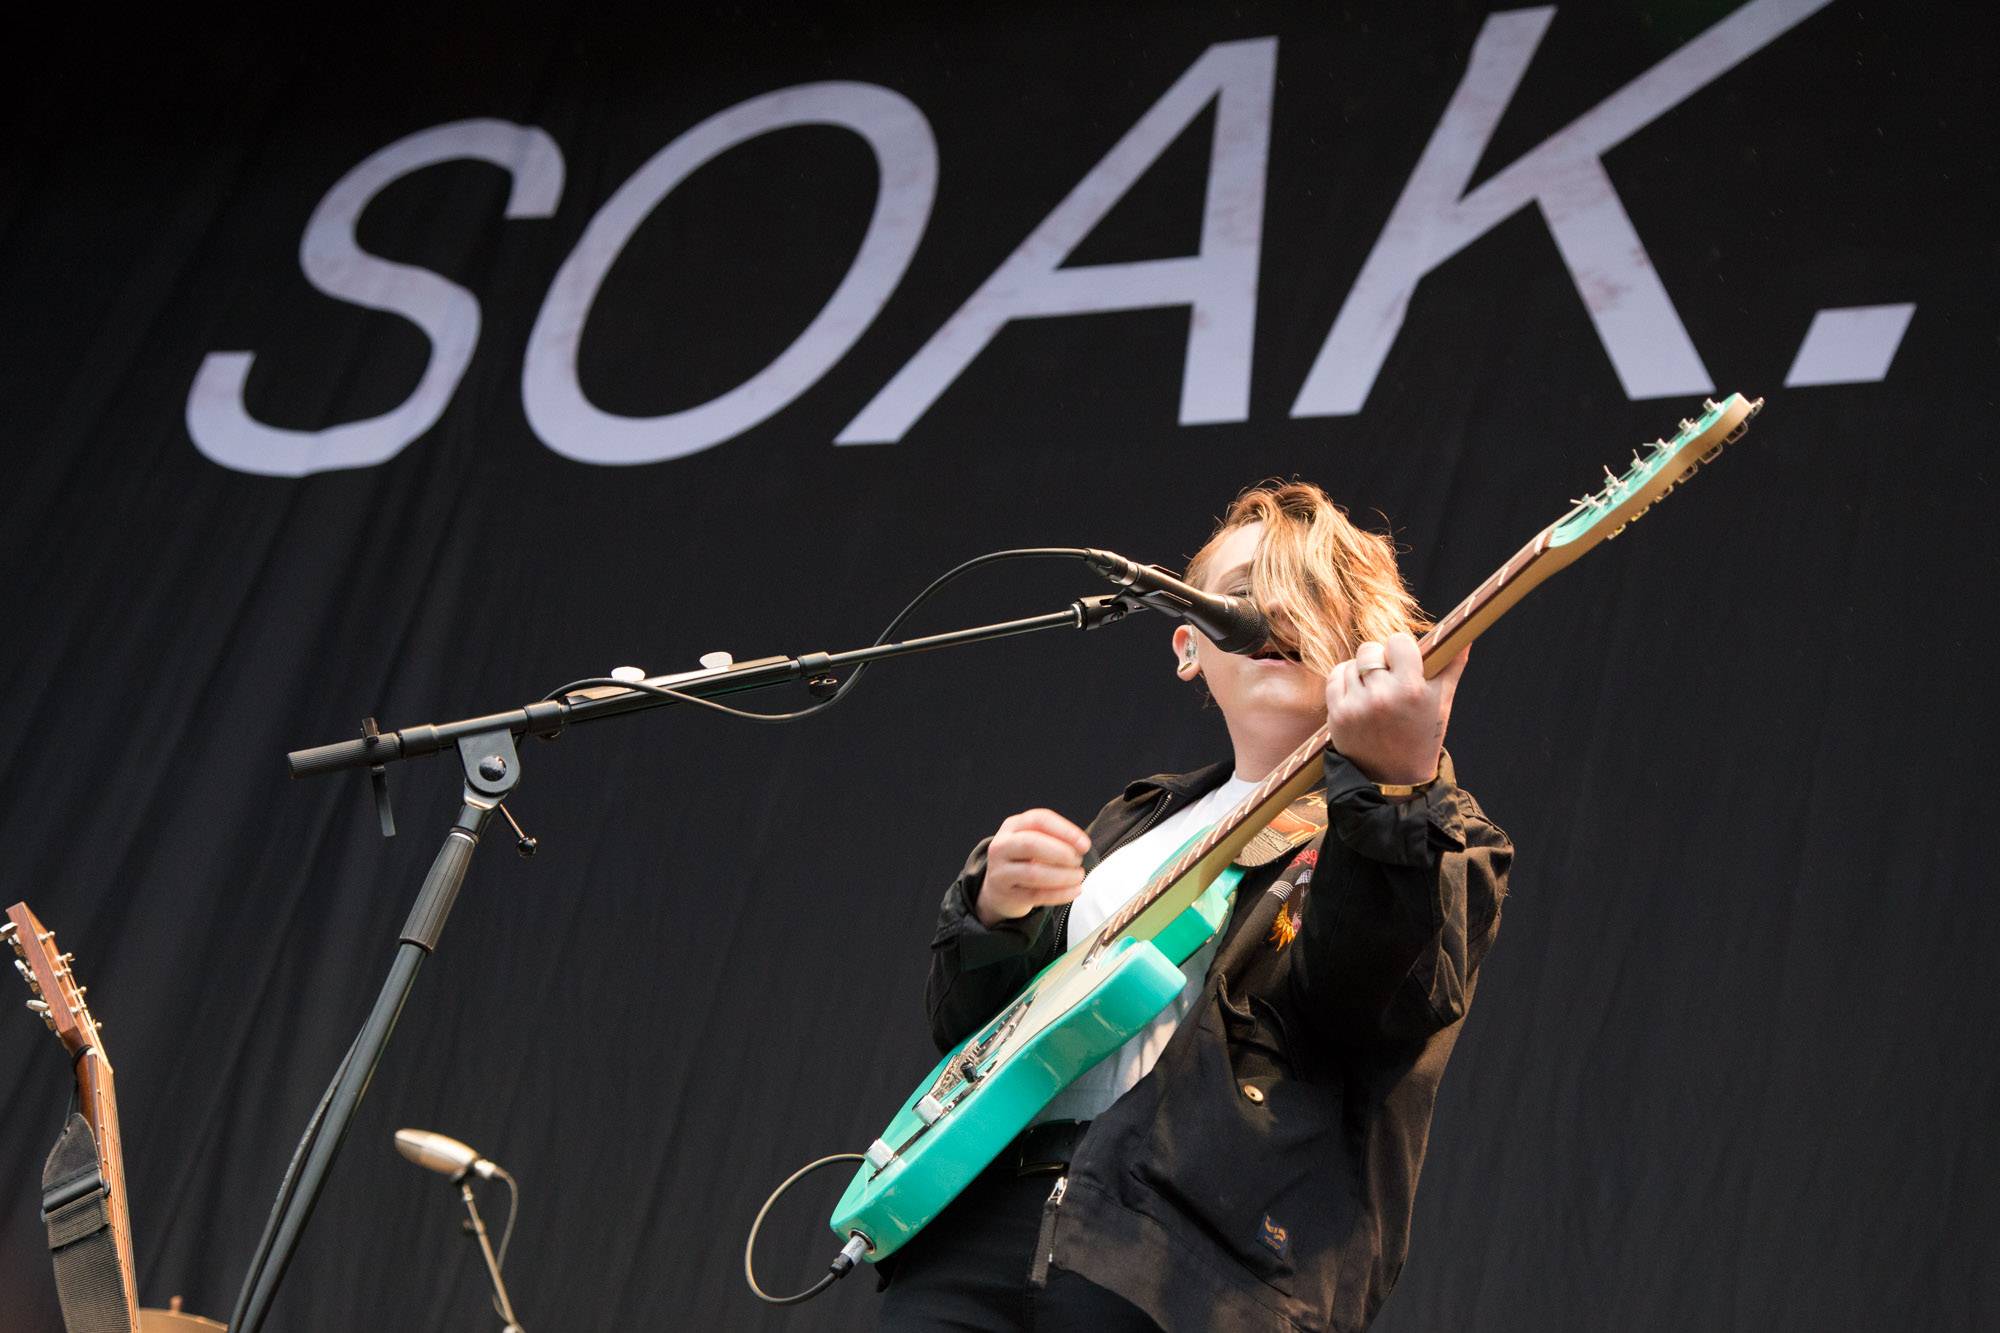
1731	1062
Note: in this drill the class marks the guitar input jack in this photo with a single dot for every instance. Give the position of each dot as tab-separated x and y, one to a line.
843	1263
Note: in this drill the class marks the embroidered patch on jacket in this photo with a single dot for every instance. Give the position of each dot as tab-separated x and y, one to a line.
1285	927
1276	1239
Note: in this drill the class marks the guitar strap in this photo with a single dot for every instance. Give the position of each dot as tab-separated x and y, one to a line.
77	1209
1293	827
1299	824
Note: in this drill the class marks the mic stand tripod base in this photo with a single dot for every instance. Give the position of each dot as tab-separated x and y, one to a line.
492	1264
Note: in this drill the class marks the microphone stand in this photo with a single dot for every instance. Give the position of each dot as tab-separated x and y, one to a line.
492	767
492	1264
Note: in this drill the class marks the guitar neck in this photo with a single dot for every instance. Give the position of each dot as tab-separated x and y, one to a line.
97	1094
1298	772
1492	599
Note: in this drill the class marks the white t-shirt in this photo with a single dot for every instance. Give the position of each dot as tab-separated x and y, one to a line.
1107	888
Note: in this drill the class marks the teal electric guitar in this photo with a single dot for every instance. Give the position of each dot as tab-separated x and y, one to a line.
1088	1002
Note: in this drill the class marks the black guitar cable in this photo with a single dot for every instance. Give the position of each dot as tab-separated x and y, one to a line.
843	1263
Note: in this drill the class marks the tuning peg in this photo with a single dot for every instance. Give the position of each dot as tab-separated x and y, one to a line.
38	1007
28	976
7	932
1709	405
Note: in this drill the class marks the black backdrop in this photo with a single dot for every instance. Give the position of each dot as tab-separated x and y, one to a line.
1731	1064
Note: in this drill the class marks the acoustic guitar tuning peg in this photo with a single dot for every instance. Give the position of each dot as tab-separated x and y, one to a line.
39	1007
7	932
1709	404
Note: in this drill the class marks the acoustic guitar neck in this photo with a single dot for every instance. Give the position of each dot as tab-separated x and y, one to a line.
59	1000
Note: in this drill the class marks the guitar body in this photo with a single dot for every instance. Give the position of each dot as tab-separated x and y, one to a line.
1075	1013
173	1321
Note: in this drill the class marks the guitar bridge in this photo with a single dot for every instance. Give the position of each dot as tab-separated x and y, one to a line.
965	1069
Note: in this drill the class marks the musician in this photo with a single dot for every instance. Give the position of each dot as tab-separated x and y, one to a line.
1249	1161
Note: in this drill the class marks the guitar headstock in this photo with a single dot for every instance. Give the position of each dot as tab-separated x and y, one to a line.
1664	464
51	983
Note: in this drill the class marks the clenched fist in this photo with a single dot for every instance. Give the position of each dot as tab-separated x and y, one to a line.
1035	860
1384	716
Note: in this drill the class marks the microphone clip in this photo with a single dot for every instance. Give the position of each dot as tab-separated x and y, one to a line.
378	780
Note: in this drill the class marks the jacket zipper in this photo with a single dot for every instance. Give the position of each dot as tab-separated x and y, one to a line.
1045	1242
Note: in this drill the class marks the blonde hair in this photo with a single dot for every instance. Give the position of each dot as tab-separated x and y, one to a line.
1328	584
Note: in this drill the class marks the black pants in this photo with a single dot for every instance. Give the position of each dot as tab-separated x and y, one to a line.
969	1270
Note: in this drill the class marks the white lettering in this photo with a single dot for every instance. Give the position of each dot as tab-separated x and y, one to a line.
1435	219
217	419
1219	283
906	152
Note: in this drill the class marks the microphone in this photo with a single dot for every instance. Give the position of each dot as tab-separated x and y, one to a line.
446	1156
1233	623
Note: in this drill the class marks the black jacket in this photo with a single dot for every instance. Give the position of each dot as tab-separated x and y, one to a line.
1262	1175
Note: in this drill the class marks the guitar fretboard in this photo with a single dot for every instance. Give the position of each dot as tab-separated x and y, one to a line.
1459	626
